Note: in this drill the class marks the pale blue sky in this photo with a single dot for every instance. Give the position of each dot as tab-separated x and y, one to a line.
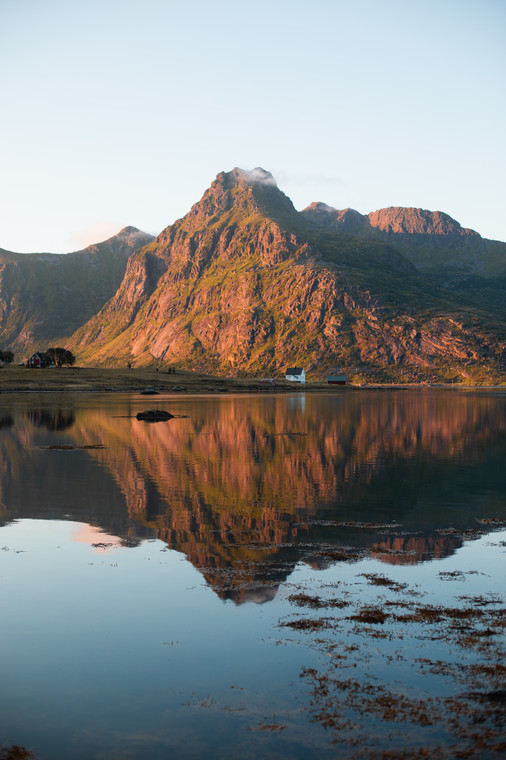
117	112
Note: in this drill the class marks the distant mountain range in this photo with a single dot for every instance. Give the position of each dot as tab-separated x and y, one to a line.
245	284
44	296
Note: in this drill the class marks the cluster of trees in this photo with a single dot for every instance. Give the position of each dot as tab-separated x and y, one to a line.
54	355
6	357
58	356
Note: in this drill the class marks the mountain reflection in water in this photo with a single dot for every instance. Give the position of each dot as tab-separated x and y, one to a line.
247	487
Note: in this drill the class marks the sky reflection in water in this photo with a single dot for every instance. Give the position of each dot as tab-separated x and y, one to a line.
124	569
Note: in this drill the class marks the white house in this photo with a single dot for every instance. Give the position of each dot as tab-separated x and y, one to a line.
295	374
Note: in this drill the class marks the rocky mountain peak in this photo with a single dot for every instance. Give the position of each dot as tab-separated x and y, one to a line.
123	243
320	208
392	221
258	176
243	178
333	220
131	237
240	192
417	221
129	231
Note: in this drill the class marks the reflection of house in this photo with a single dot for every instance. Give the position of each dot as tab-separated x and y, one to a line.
336	377
295	374
37	360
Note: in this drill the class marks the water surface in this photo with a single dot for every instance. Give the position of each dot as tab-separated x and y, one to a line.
206	587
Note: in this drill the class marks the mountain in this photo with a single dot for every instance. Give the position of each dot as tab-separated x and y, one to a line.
245	284
431	240
45	296
393	220
472	268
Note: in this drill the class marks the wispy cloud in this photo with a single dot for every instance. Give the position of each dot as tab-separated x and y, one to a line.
260	176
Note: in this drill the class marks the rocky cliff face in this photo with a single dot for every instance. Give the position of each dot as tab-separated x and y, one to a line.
246	284
431	240
417	221
44	296
394	220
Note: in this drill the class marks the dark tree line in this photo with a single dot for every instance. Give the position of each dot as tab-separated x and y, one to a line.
59	356
6	357
54	355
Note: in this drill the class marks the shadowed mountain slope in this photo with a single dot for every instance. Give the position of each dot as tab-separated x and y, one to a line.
44	296
246	284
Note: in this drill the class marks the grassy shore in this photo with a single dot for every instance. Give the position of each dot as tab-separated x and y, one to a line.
14	379
137	379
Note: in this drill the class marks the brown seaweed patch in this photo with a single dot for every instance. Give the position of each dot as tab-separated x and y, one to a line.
452	575
369	699
436	614
381	580
465	710
488	670
16	752
399	603
480	600
307	624
316	602
497	697
370	615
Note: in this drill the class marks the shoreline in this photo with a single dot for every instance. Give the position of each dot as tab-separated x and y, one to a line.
138	380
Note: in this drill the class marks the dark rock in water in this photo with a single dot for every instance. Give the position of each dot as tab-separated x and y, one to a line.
154	415
149	392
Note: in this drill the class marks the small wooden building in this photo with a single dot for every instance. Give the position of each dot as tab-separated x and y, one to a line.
37	360
336	377
295	374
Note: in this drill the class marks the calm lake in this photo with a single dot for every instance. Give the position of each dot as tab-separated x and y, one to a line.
285	576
